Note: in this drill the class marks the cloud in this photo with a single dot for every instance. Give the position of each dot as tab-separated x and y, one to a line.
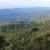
23	3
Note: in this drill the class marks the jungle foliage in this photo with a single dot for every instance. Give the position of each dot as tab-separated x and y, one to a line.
25	36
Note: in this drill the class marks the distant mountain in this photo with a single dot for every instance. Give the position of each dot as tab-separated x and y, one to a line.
24	14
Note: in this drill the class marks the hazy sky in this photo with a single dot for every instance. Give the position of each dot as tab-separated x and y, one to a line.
23	3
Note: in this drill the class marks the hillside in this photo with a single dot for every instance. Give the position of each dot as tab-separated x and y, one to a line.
25	36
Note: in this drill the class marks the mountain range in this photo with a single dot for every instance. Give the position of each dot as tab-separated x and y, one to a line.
24	14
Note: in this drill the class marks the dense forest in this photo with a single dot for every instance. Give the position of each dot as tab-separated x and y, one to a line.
34	35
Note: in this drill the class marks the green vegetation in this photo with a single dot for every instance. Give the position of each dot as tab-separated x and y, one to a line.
25	36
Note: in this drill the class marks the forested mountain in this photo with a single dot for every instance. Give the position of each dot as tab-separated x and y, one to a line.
24	13
25	28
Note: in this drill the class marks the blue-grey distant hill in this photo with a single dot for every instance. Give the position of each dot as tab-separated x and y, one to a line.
24	14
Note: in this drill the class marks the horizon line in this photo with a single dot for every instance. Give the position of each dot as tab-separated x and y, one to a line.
27	7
